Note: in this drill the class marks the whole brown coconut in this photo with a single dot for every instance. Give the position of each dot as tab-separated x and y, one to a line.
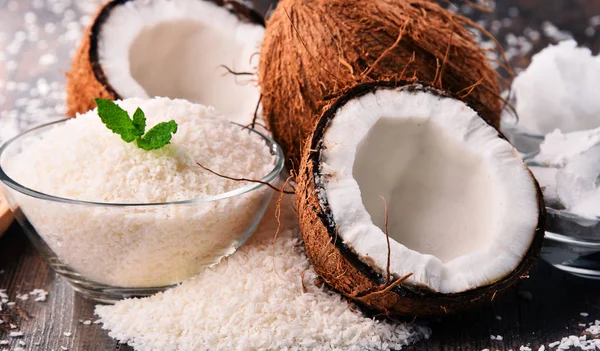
314	49
87	80
350	272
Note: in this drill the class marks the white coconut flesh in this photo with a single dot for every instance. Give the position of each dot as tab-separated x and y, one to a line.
463	207
175	48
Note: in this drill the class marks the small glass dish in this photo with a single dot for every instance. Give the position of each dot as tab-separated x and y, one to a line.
111	251
572	242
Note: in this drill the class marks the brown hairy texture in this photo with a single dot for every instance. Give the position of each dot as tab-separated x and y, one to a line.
315	49
82	85
353	276
86	79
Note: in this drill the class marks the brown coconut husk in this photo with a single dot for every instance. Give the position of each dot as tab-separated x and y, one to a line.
86	79
314	50
342	268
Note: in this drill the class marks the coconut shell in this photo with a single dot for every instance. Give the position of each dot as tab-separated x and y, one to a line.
314	50
86	79
340	267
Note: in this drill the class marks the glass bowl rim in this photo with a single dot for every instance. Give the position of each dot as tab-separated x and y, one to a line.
569	240
8	181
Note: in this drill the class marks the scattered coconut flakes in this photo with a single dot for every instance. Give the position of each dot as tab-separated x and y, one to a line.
22	343
44	30
4	342
590	31
88	322
12	326
11	303
595	328
23	297
40	294
499	338
524	348
15	334
1	321
64	348
584	314
554	344
47	59
67	334
552	32
542	348
245	303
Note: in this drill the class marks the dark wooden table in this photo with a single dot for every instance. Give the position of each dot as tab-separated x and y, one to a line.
541	310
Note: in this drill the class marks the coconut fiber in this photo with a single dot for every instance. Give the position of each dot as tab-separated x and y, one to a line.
315	49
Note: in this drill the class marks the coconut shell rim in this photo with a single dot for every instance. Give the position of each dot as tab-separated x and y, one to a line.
241	11
376	278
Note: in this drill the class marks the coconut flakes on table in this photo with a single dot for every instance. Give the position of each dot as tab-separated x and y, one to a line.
594	329
246	303
28	103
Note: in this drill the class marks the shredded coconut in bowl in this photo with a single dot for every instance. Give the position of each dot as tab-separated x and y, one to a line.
559	89
263	297
143	246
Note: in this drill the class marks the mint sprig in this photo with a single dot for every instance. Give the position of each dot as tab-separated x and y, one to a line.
134	129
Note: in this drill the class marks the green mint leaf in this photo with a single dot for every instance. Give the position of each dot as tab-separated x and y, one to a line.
139	121
157	137
117	120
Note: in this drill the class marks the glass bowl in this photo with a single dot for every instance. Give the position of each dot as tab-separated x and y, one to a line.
110	251
572	242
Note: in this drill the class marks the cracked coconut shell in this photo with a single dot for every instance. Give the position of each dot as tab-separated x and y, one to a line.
347	269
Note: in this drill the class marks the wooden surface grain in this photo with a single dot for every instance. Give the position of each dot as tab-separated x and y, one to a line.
541	310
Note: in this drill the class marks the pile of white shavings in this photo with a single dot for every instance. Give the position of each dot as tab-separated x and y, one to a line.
83	160
559	90
261	298
152	245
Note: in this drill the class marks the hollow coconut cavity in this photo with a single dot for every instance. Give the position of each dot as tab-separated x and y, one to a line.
465	213
169	48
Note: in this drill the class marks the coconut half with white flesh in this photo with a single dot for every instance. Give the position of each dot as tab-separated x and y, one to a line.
465	214
171	48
